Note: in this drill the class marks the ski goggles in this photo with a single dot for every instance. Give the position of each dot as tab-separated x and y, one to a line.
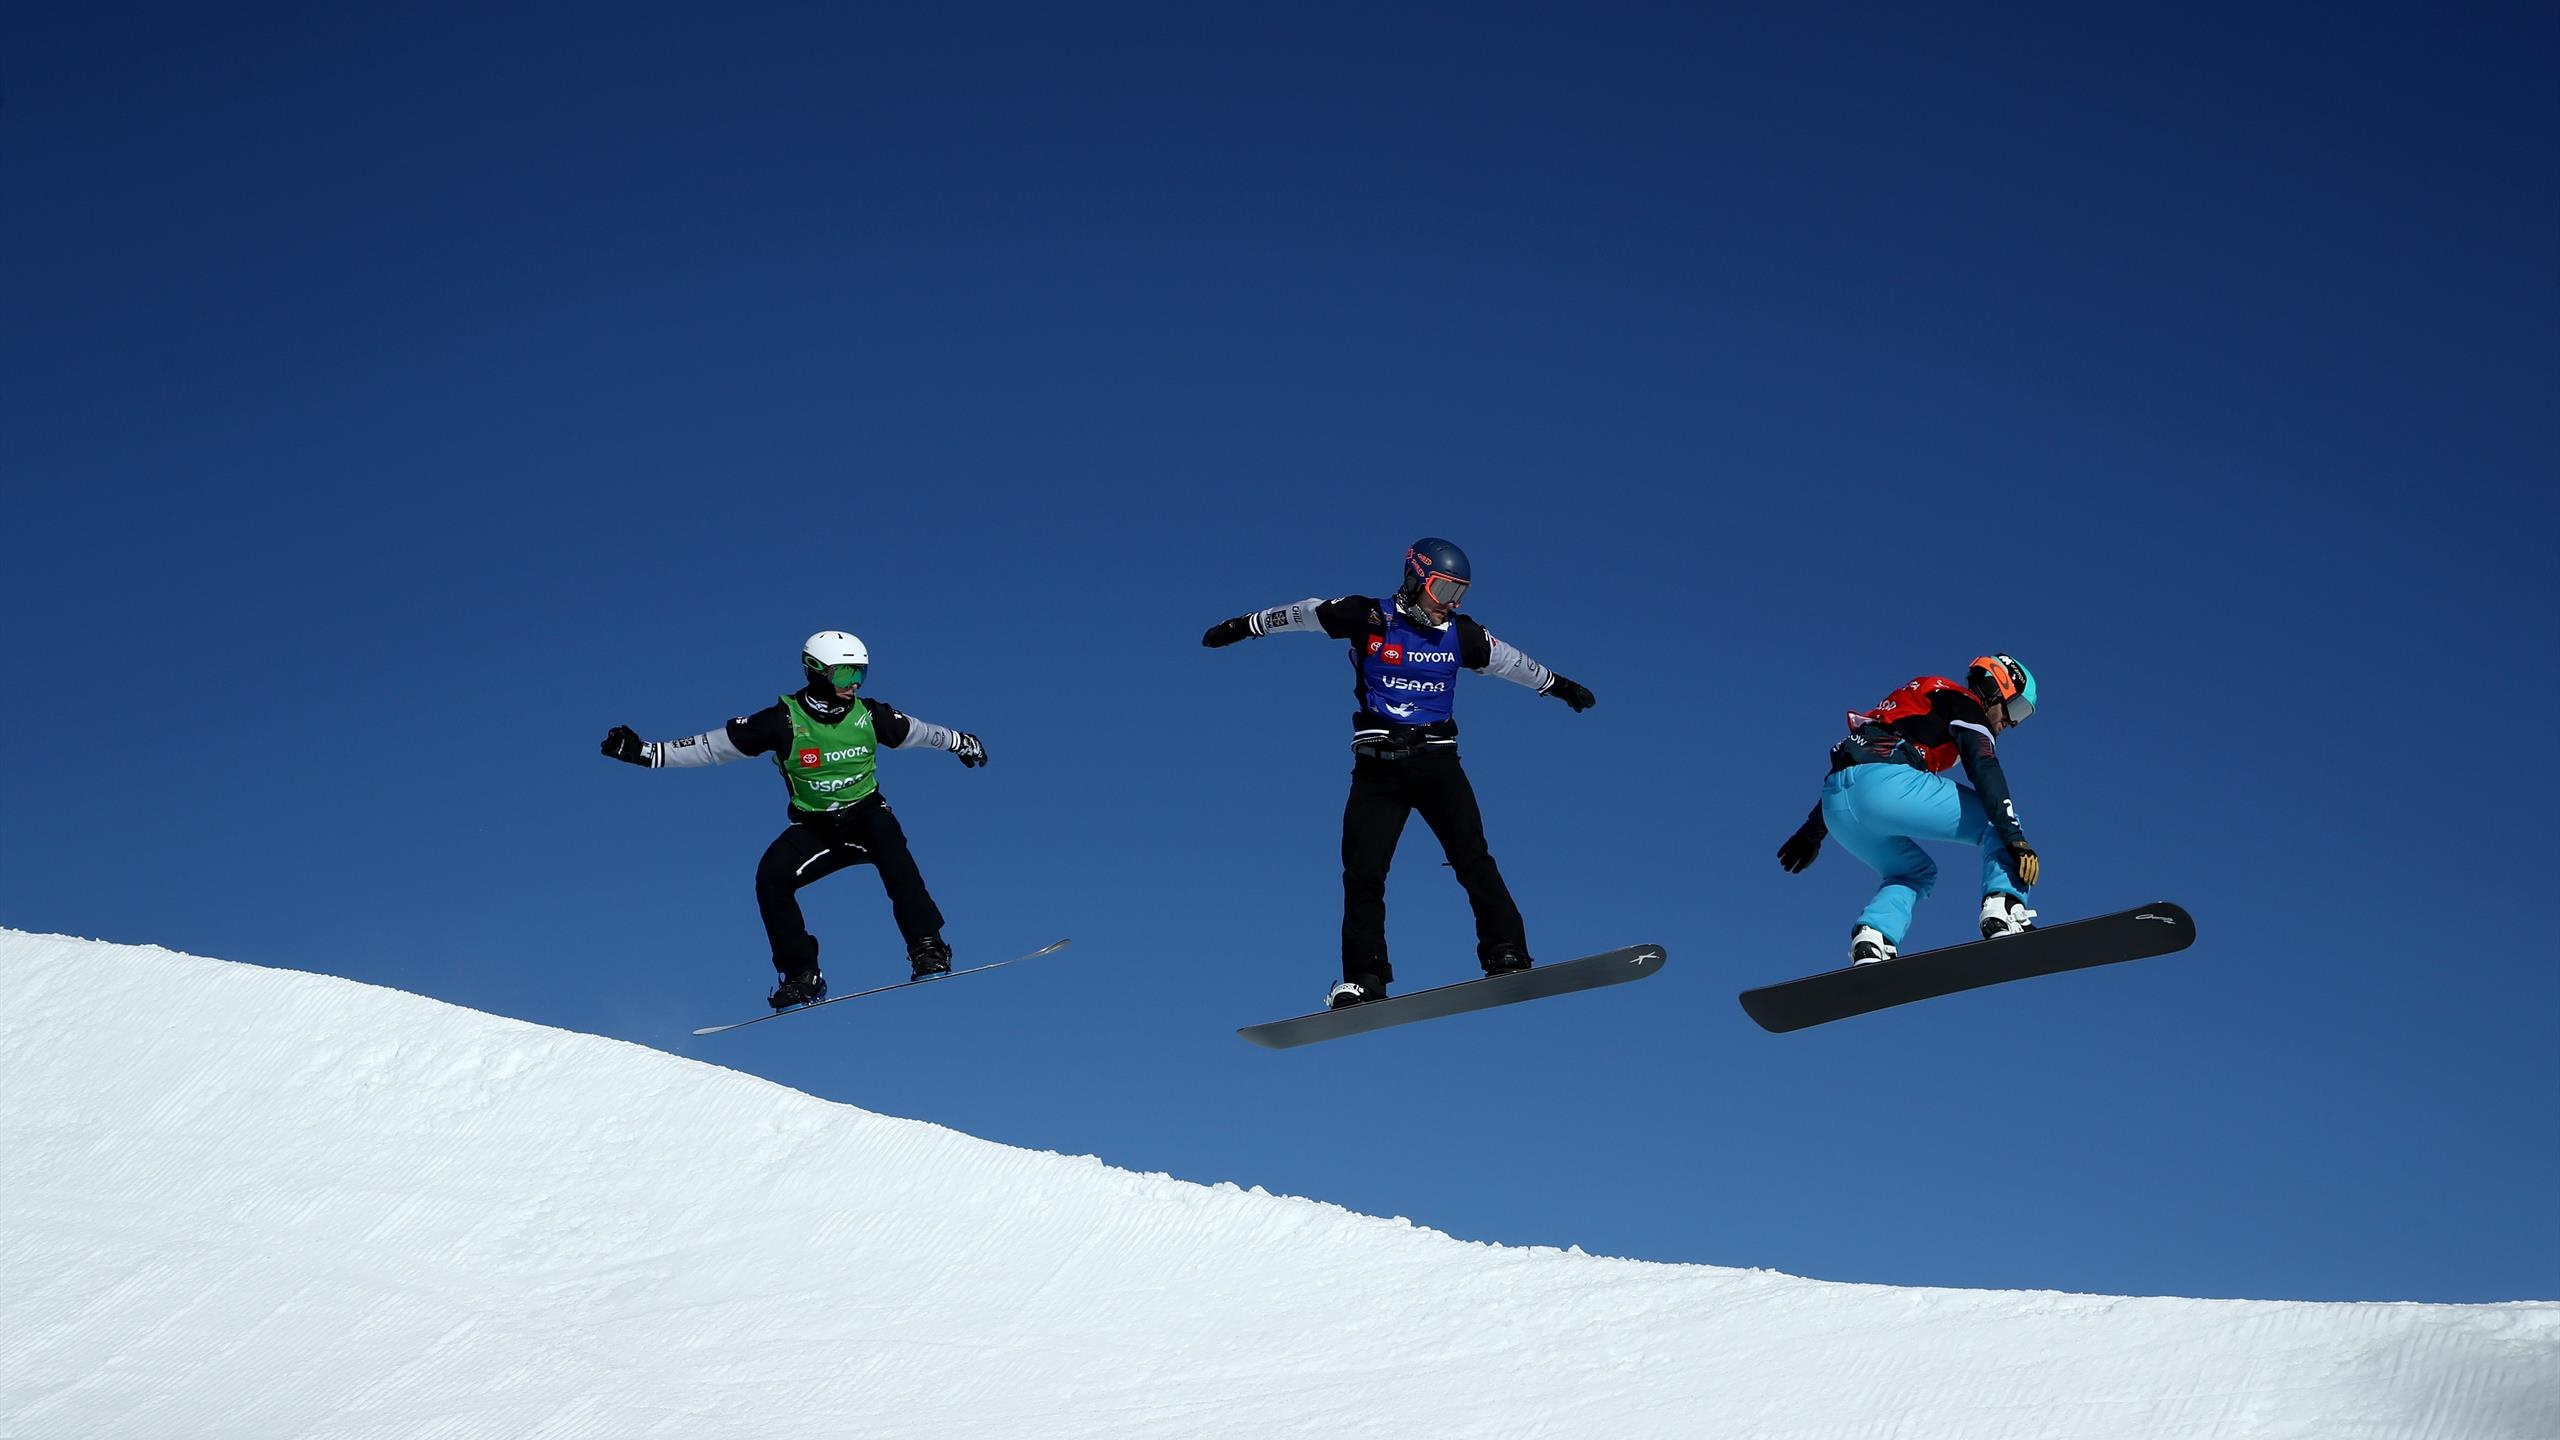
1443	589
846	677
2019	708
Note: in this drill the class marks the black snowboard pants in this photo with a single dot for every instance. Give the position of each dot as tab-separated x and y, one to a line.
1383	794
813	847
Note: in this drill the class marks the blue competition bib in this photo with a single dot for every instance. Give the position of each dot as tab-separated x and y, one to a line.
1410	674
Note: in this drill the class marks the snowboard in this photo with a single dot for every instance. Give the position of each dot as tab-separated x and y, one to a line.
2154	929
1614	967
882	990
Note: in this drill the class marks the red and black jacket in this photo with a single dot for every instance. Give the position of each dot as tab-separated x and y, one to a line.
1931	724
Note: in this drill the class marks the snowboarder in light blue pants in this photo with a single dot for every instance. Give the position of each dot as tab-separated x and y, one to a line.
1888	790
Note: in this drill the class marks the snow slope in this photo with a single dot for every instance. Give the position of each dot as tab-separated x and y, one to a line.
256	1203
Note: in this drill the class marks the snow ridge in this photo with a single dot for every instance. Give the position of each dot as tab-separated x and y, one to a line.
243	1202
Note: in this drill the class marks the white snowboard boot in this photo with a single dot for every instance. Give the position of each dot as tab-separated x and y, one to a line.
1867	946
2004	914
1359	990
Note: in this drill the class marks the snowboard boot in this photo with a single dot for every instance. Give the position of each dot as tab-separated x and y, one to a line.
2005	914
1358	990
1867	946
1505	957
800	987
928	957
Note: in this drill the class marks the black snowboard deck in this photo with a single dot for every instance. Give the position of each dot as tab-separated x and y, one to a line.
1048	949
1612	967
2137	934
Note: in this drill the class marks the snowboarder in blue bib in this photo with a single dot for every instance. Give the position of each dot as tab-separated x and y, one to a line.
824	739
1406	652
1888	790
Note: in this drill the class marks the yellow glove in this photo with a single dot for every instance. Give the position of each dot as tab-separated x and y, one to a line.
2022	863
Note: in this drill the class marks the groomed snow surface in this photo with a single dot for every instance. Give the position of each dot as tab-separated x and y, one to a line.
258	1203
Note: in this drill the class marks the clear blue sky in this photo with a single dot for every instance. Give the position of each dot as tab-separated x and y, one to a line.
392	398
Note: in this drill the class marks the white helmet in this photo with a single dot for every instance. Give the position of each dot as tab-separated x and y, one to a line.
837	658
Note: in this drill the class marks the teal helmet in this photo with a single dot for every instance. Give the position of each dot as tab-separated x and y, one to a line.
2001	680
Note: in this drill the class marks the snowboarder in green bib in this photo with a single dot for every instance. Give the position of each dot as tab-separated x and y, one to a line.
824	738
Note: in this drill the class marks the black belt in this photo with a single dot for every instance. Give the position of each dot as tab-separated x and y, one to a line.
1397	747
1378	739
1852	755
1390	750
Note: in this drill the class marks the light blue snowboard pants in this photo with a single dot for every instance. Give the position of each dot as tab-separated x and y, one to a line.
1879	812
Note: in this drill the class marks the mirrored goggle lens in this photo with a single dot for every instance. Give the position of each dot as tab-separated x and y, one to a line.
2019	707
1444	588
847	677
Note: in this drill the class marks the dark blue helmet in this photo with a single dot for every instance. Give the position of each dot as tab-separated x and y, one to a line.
1435	568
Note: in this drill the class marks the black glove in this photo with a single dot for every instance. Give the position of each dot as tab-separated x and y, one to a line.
1570	693
624	743
1799	850
2022	863
971	753
1228	632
